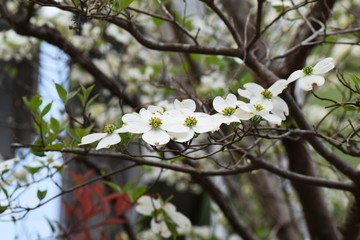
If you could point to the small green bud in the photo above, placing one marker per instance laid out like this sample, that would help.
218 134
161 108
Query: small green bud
228 111
266 94
109 128
155 122
308 70
258 107
190 121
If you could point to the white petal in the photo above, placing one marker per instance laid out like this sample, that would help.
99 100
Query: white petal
155 109
266 103
186 103
156 137
278 87
280 109
174 124
92 138
160 227
109 140
120 130
229 119
295 75
324 66
182 221
205 124
243 114
245 93
271 118
146 205
182 137
134 123
146 114
254 88
219 104
231 100
308 82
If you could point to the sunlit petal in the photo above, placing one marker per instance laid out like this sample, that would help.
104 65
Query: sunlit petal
146 205
254 88
295 75
219 104
186 103
109 140
278 87
156 137
182 137
308 82
134 123
324 66
92 138
271 118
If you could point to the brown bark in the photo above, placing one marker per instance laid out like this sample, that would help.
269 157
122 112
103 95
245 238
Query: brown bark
275 205
351 227
319 221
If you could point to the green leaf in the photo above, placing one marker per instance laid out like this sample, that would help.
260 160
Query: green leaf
55 125
122 4
32 170
41 194
46 109
71 95
5 191
113 186
350 108
137 192
126 187
38 151
61 92
55 147
52 227
3 208
35 102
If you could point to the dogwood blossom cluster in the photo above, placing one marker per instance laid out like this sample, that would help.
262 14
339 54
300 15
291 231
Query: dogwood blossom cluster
181 123
163 215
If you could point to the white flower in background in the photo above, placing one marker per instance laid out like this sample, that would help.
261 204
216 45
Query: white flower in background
146 205
213 81
280 3
268 98
227 110
152 126
4 165
161 213
257 109
109 137
184 115
310 77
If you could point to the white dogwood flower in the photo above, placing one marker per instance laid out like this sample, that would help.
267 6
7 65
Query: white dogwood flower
152 126
310 77
227 110
109 137
5 164
195 122
162 213
268 98
257 109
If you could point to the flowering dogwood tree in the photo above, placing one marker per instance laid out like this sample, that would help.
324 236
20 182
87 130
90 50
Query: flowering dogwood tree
251 105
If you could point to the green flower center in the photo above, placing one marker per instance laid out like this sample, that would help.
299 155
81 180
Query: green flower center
190 121
109 128
155 122
266 94
308 70
258 107
228 111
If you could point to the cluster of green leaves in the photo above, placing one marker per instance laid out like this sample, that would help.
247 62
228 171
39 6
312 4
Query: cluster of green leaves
48 130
